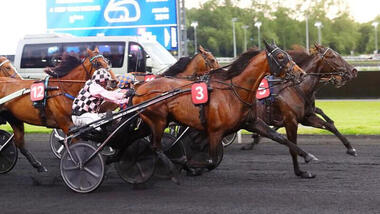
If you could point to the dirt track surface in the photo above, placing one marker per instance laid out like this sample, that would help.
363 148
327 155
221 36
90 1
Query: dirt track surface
258 181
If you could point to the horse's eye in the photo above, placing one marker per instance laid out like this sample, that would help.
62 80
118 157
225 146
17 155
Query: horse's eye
280 56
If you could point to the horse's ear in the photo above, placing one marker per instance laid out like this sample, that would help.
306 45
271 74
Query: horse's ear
89 52
96 49
317 46
201 49
267 46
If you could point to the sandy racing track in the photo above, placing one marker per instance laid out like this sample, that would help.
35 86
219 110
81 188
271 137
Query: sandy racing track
258 181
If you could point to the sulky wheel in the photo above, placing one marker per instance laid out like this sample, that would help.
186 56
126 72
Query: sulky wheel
229 139
81 176
8 153
197 148
136 164
56 142
176 153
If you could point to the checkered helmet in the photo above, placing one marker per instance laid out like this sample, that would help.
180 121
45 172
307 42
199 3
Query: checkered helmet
101 75
125 79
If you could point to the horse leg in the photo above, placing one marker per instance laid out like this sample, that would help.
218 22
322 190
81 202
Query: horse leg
325 117
157 128
214 139
316 122
291 132
256 140
264 130
18 129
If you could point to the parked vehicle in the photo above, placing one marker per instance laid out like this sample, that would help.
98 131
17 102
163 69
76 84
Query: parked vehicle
125 53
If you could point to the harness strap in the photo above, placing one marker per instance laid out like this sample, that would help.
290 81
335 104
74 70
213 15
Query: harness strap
5 61
69 96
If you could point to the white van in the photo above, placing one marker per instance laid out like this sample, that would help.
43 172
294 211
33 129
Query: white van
125 53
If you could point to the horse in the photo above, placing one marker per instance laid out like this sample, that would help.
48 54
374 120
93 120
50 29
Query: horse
190 68
7 69
231 101
186 67
296 104
68 78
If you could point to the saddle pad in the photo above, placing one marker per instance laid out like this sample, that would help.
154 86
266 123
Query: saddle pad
37 91
199 93
263 91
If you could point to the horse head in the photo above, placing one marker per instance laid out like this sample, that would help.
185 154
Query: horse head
7 69
281 64
209 61
337 70
94 61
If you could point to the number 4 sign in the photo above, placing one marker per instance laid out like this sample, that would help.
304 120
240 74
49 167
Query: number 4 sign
199 93
37 91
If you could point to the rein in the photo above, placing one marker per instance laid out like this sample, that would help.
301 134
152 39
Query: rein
159 91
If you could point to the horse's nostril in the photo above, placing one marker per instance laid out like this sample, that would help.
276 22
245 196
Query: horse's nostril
354 72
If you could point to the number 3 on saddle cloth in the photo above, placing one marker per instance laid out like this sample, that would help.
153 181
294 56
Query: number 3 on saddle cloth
199 96
199 93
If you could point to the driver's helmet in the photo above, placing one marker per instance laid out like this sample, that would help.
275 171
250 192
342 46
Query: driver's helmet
125 80
101 75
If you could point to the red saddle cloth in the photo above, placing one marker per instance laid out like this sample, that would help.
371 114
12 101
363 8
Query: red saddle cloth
263 91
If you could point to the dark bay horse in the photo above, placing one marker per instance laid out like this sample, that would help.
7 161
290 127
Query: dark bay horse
231 100
69 76
296 104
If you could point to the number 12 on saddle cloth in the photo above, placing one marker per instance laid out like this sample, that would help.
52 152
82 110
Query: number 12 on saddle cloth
199 93
37 91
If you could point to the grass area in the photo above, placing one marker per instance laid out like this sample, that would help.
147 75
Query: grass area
352 117
28 129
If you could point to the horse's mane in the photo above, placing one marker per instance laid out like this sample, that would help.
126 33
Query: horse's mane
300 56
178 67
238 65
68 63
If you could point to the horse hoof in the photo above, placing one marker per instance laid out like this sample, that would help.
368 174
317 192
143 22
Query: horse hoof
309 157
175 180
247 147
194 172
41 169
307 175
352 152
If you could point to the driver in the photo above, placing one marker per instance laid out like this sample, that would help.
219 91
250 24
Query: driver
86 105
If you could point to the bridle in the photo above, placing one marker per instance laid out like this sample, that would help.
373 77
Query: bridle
94 64
1 65
277 66
207 62
335 72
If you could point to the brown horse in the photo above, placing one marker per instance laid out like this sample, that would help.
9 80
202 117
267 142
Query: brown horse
7 69
186 67
231 100
69 77
193 67
296 104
